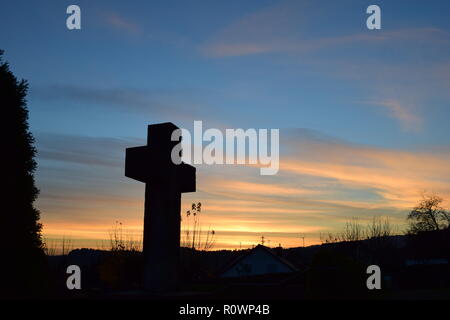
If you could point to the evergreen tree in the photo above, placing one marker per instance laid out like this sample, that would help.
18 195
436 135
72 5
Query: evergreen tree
23 258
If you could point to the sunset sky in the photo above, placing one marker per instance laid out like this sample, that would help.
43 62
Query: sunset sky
363 114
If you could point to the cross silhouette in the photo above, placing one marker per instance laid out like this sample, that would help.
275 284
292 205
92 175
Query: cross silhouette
164 182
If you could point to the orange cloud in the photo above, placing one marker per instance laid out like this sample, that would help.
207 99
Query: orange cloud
397 176
259 188
321 184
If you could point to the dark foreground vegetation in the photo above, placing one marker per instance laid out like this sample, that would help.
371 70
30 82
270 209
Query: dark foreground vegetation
412 266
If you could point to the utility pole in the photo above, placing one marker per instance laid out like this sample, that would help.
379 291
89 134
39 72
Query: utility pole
262 240
303 238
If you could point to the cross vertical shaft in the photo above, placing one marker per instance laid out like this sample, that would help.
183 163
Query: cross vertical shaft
164 182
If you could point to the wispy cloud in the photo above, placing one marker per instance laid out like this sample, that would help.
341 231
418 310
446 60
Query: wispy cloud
121 23
181 103
83 149
403 114
398 176
228 46
286 28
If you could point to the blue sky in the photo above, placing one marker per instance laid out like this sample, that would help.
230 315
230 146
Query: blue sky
339 93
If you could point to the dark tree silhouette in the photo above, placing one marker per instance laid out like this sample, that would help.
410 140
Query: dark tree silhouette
428 215
23 259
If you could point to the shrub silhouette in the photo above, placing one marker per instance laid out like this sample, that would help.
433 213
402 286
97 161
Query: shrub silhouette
23 258
334 275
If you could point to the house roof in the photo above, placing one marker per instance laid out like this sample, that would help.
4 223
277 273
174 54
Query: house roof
250 252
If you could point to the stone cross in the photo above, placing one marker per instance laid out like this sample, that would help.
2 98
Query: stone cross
164 182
